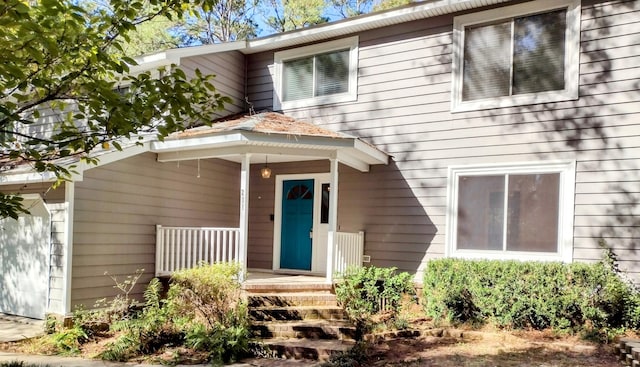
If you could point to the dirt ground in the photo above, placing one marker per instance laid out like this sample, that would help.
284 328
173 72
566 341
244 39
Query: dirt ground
494 348
487 348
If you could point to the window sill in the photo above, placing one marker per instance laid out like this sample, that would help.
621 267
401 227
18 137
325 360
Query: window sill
514 101
510 255
317 101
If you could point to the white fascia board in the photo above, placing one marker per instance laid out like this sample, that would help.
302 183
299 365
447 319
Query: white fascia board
192 143
113 156
247 148
378 156
26 177
350 160
364 22
173 56
206 49
77 167
151 66
280 138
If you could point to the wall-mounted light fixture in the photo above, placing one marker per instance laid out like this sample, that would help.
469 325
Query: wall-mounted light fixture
265 171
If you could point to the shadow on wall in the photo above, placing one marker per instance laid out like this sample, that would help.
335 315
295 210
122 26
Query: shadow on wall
599 130
398 231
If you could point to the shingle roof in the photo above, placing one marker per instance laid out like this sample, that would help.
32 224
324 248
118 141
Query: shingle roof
264 122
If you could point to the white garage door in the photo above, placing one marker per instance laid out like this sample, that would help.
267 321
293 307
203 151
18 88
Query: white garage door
24 261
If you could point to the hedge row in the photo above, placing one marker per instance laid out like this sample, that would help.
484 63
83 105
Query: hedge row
539 295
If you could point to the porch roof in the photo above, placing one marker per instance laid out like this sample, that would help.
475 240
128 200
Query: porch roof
268 136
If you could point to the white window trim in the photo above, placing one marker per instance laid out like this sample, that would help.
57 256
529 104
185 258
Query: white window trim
567 170
282 56
571 61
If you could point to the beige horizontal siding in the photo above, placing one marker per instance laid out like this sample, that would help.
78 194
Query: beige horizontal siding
228 68
57 261
118 205
403 107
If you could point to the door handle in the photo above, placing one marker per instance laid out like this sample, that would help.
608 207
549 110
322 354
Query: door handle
311 233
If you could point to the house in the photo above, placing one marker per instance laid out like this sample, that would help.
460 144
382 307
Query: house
466 128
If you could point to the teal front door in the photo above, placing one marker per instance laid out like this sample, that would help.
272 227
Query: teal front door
297 224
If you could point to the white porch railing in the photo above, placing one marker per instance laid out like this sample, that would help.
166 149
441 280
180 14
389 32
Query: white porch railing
348 251
185 247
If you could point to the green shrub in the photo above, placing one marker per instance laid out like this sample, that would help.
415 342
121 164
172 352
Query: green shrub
203 310
362 289
208 294
207 301
573 297
222 344
68 341
146 332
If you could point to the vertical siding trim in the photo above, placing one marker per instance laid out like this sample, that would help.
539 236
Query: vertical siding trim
69 193
245 173
333 218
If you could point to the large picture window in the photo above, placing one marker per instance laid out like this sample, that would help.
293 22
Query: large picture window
317 74
516 55
512 211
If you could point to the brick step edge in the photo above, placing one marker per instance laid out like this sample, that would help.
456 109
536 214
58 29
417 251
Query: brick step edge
287 288
304 349
291 299
310 330
291 313
629 352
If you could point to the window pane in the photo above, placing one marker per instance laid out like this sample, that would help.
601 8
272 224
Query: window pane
297 79
332 73
538 60
480 213
324 208
532 218
487 61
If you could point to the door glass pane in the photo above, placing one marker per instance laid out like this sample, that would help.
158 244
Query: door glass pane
299 192
532 218
324 205
297 79
480 212
487 61
539 47
332 73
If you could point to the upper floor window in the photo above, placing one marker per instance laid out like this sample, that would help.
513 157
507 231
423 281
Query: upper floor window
521 54
518 211
316 74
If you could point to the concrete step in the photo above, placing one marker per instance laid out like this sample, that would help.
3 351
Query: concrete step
306 349
309 329
291 313
287 287
291 299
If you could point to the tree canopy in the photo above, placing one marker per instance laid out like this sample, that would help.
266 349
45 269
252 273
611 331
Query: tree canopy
64 61
225 21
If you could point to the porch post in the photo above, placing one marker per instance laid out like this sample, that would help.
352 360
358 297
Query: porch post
333 216
244 214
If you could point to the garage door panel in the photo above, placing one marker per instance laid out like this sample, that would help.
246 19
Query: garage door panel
24 261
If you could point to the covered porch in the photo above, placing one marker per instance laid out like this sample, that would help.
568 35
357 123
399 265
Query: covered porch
301 201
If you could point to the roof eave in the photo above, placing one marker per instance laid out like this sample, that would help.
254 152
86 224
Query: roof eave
348 150
363 23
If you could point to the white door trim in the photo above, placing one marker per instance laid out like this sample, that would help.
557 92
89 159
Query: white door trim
318 178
